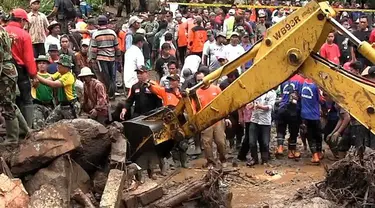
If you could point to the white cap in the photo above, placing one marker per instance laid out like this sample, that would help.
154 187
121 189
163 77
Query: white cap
86 71
134 19
235 33
261 13
232 12
85 42
32 1
141 31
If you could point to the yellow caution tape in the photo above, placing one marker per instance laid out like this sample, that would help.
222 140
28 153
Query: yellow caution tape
261 6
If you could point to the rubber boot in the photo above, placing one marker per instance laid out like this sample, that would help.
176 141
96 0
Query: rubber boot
321 155
23 127
28 114
315 158
183 160
294 154
12 130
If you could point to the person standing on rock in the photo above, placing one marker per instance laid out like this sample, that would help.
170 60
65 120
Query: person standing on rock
64 81
95 99
14 121
42 94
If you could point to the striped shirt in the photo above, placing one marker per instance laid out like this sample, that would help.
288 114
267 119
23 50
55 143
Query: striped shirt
104 45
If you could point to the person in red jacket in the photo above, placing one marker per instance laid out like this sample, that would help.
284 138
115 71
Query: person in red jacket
23 55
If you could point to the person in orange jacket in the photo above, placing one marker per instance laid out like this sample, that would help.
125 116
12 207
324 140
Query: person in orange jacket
197 37
181 37
171 97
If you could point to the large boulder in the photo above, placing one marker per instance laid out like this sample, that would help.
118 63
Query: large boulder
95 144
12 193
63 174
43 146
46 197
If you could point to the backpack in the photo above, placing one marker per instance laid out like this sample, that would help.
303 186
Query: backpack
69 9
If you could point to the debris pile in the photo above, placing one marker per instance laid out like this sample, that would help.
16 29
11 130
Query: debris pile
349 182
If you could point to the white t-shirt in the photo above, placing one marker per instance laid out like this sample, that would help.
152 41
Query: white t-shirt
232 52
192 62
213 51
52 40
133 59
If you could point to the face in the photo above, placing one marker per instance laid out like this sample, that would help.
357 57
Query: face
42 66
142 76
174 83
62 69
84 49
234 40
166 51
262 19
86 79
205 12
363 23
199 77
346 25
330 37
64 43
245 39
56 29
54 54
168 17
172 69
179 19
35 6
212 18
247 15
137 25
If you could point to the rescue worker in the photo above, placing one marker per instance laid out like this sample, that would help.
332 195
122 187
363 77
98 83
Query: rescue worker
288 116
229 24
142 98
181 36
64 81
65 49
23 55
15 123
196 38
95 99
82 56
133 25
261 25
171 96
42 94
214 133
172 69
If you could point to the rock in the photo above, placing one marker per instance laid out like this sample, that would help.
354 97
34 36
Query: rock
315 202
150 196
118 148
46 197
59 174
99 181
44 146
112 194
12 193
96 144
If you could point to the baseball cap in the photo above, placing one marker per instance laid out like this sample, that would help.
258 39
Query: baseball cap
222 34
141 31
134 19
102 20
33 1
235 34
245 34
178 16
261 13
85 42
53 24
141 69
232 12
42 58
20 13
173 77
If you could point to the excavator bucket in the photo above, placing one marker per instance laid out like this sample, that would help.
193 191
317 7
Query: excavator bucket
141 132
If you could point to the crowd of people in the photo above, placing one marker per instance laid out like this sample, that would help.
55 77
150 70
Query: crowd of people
67 67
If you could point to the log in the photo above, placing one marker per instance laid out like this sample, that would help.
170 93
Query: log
183 194
82 199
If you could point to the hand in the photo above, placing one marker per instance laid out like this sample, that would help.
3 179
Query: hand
122 114
249 106
335 136
93 113
35 82
228 123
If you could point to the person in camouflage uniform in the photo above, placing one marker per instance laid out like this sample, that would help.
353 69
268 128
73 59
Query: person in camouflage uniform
64 81
14 120
42 95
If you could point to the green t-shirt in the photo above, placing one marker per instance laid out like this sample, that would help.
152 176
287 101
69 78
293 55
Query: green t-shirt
43 92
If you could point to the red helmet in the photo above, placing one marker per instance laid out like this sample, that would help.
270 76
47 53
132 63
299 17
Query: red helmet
19 13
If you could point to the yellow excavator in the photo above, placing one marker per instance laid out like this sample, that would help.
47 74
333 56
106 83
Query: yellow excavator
289 47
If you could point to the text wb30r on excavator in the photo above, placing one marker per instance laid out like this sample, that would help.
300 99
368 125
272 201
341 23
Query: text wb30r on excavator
289 47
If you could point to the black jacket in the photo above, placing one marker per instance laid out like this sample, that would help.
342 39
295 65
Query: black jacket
144 99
